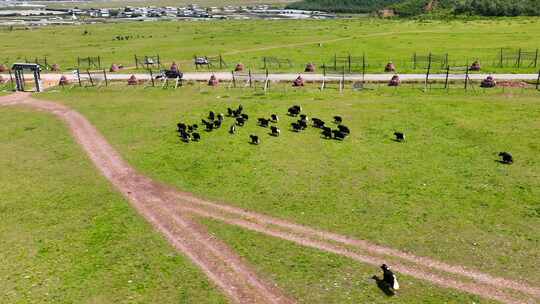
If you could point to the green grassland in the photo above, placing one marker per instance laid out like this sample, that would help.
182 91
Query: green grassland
68 237
300 41
312 276
440 194
72 239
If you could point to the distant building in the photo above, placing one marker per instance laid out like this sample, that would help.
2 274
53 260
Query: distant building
386 13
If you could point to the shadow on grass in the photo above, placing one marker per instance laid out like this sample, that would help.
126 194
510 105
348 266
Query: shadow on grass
383 286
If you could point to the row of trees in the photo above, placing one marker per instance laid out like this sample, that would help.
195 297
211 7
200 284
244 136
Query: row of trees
343 6
418 7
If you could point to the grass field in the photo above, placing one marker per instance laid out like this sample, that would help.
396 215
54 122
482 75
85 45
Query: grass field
444 183
312 276
440 194
68 237
300 41
105 253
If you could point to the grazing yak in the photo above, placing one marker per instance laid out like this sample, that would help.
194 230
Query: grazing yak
232 129
303 124
184 136
294 110
263 122
296 127
245 116
255 139
399 136
327 132
181 127
196 136
506 158
240 121
317 123
275 131
389 278
339 135
209 125
211 115
344 129
193 128
217 124
229 112
338 119
220 117
274 118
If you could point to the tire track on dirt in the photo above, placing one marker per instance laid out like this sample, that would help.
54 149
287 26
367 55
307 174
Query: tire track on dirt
170 212
226 210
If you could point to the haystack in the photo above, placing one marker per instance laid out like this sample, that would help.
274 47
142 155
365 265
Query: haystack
133 80
394 82
55 67
475 66
390 67
310 68
239 67
213 81
114 68
63 81
3 68
174 67
489 82
298 82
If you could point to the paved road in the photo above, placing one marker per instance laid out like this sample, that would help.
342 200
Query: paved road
227 76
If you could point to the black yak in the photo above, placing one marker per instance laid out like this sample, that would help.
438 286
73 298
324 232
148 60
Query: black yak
294 110
255 139
344 129
263 122
506 158
399 136
181 127
274 118
296 127
389 277
317 123
327 132
339 135
196 136
275 131
338 119
240 121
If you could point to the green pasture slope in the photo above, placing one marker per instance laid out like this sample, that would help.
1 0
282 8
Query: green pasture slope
68 237
440 194
301 41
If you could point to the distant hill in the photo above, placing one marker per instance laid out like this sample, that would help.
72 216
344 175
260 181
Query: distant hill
419 7
343 6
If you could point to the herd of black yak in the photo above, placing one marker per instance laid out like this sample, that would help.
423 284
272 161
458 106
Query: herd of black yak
340 132
215 121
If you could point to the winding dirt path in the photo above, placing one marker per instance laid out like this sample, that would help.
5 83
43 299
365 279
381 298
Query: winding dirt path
170 211
226 269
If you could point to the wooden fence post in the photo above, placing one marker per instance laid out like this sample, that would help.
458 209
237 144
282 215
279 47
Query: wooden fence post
79 77
105 77
446 80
